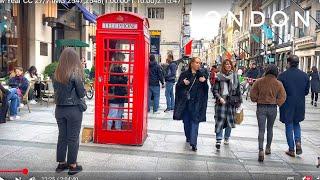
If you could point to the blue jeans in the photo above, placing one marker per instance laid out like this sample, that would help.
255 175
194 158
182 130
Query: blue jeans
115 113
293 129
14 101
155 91
227 133
191 128
169 95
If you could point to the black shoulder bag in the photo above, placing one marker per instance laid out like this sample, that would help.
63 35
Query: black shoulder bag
81 101
188 92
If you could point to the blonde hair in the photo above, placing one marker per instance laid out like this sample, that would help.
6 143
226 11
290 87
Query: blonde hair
69 64
193 60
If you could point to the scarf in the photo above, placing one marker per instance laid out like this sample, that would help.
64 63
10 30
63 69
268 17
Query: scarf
231 77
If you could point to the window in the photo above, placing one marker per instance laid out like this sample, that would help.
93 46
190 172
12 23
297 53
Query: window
43 49
318 18
119 8
288 3
156 13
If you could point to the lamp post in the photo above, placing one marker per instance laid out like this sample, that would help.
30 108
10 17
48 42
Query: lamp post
50 15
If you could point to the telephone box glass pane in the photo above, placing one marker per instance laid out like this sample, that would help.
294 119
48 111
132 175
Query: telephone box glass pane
121 44
118 87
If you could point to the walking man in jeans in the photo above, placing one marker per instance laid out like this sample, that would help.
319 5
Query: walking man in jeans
155 76
170 78
292 112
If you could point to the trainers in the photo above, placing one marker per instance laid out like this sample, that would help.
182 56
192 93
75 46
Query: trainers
17 117
315 104
12 118
218 144
156 112
226 142
61 167
75 170
21 105
194 148
33 102
167 110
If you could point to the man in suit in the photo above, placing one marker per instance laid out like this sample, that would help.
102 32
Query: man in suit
292 112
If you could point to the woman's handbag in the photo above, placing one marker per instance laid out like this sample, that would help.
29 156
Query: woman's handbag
82 105
239 115
188 92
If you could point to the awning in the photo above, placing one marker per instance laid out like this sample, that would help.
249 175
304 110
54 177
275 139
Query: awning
86 14
71 43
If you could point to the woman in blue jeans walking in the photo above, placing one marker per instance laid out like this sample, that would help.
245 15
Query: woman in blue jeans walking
191 100
227 85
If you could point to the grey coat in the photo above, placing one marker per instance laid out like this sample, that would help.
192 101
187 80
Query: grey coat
315 82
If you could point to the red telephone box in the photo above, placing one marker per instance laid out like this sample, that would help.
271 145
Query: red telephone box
122 67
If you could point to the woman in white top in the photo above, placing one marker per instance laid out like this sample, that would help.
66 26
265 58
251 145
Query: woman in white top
32 77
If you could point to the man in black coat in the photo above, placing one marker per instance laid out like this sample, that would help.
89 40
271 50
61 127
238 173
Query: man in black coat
253 72
292 112
155 76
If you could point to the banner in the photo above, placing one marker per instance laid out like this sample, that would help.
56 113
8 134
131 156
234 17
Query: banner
188 49
155 42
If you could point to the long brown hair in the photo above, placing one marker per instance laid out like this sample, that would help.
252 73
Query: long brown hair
192 60
69 64
224 62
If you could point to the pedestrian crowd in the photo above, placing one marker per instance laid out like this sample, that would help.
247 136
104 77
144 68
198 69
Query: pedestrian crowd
269 89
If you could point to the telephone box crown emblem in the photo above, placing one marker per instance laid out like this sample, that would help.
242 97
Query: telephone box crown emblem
120 18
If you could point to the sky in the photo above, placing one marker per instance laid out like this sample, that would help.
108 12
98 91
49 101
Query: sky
205 17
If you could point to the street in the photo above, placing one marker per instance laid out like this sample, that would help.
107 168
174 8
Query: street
31 142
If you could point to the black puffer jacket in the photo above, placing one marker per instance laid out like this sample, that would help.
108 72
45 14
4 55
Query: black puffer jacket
69 94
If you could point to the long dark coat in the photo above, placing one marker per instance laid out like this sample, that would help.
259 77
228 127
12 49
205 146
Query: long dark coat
197 106
296 84
315 82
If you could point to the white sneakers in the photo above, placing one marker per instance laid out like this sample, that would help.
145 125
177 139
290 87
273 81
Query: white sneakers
21 105
12 118
33 102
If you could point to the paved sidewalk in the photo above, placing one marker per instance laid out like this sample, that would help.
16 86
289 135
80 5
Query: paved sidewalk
31 142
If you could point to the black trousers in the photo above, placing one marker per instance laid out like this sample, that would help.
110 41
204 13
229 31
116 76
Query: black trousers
37 88
314 96
69 119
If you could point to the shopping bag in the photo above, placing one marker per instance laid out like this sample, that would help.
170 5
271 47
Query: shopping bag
87 135
239 115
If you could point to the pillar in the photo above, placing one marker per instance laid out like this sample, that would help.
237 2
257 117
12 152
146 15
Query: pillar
313 61
318 62
305 63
